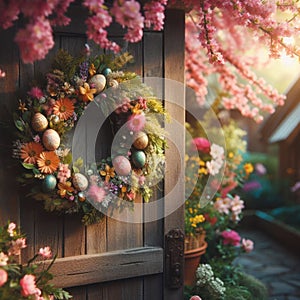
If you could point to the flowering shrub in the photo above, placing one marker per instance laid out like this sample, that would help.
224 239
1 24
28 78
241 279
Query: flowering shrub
220 37
201 161
30 281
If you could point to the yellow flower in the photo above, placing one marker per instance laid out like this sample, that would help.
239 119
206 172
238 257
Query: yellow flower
190 210
87 94
64 188
230 154
136 110
92 70
248 168
194 225
108 172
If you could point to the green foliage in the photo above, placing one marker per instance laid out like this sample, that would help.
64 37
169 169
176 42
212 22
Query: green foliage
66 63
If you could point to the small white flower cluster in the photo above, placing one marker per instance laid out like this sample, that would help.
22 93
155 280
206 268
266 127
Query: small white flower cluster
205 278
217 154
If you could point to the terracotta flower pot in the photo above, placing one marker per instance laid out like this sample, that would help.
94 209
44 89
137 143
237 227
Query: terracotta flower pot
191 262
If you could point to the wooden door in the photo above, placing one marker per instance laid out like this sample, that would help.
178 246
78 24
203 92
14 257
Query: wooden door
109 260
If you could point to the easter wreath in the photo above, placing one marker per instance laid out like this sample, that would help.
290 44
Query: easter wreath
48 115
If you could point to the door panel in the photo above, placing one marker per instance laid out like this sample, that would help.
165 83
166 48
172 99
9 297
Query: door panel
112 259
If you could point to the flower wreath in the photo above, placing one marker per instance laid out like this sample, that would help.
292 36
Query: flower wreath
47 116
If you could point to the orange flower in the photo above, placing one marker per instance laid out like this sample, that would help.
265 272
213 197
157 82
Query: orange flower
108 173
64 188
92 70
48 162
63 108
86 92
30 152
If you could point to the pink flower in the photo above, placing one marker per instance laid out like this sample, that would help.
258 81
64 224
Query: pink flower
64 172
36 92
136 122
142 179
130 195
28 285
35 40
2 74
201 144
96 193
296 187
195 298
3 277
260 169
247 245
11 228
231 237
16 246
45 252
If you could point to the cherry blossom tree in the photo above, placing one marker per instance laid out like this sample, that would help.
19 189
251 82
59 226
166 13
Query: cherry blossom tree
219 36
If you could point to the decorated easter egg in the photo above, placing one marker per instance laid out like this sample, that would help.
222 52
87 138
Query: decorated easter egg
98 82
138 158
39 122
51 139
49 183
122 165
106 71
80 182
141 140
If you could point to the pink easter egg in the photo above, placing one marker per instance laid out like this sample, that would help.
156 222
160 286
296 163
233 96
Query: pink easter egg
122 165
51 139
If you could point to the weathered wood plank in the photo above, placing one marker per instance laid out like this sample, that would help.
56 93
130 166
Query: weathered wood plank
88 269
153 287
9 63
174 69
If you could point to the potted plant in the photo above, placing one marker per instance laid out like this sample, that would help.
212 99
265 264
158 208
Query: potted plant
201 161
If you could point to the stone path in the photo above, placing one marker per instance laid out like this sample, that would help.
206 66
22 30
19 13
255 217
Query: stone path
273 264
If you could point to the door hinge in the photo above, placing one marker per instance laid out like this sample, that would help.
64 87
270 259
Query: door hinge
174 255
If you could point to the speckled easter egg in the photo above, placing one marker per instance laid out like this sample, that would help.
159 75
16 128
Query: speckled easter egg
49 183
122 165
80 182
138 158
98 82
106 71
141 140
39 122
51 139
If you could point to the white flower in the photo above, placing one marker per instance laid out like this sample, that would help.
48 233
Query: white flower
3 259
217 152
214 166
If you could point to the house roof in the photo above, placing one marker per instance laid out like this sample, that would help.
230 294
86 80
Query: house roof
285 122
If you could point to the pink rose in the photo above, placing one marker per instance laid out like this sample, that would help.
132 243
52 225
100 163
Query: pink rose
28 285
231 237
3 277
201 144
195 298
45 252
247 245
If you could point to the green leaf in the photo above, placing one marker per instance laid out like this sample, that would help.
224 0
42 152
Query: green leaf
28 166
19 124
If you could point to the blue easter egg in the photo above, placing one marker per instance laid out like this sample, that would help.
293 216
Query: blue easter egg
49 183
106 71
138 158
